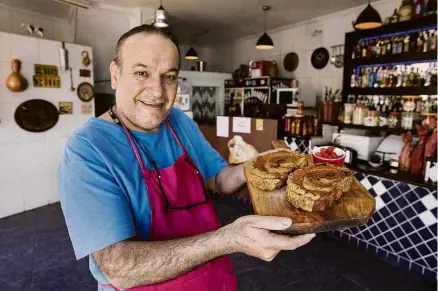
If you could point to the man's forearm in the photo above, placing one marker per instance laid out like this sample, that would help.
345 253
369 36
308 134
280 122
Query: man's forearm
129 264
230 179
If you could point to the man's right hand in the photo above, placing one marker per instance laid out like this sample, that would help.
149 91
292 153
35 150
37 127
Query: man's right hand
252 235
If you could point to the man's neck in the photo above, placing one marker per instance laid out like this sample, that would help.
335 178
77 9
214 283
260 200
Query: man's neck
129 125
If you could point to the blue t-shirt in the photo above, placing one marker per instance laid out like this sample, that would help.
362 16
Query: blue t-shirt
102 193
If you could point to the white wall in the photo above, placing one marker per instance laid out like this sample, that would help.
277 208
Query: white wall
54 28
28 161
298 38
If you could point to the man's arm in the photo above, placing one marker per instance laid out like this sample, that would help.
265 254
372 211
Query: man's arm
128 264
229 180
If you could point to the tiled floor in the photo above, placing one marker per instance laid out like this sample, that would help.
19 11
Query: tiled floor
36 254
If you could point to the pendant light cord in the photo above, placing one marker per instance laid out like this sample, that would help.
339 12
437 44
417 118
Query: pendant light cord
266 17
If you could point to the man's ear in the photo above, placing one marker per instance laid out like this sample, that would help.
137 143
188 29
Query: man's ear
114 70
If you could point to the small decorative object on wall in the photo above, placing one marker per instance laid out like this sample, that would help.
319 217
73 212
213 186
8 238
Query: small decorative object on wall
46 76
320 58
290 62
65 107
85 73
63 57
71 81
36 115
15 81
31 30
86 108
85 91
85 58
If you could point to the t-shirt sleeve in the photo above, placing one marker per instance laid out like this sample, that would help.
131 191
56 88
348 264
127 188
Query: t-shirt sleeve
96 211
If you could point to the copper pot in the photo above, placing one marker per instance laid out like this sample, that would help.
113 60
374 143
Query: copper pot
15 81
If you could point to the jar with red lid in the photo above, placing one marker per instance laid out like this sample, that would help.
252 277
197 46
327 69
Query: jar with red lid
426 118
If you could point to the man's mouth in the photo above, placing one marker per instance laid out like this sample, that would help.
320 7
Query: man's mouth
153 104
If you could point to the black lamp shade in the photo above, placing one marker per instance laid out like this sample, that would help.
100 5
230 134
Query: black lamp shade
369 18
265 42
191 54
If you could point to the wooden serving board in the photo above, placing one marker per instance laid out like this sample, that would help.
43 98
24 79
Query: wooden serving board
353 209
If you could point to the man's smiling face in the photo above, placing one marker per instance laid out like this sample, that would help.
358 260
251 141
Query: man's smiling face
146 80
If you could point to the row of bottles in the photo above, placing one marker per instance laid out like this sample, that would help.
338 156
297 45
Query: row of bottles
418 75
409 10
390 111
420 41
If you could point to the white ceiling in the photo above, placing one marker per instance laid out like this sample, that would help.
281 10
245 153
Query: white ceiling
224 19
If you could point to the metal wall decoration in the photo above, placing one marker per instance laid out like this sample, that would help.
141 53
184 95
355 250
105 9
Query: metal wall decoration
15 81
65 107
85 91
71 81
320 58
84 73
290 62
46 76
85 58
36 115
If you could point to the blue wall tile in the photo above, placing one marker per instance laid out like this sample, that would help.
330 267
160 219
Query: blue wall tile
429 274
431 260
403 187
434 211
384 211
413 254
396 246
398 232
390 221
386 198
394 192
433 228
392 259
409 212
405 243
417 223
421 192
423 249
389 236
400 218
407 227
388 184
380 240
432 245
373 180
419 207
402 202
411 197
404 263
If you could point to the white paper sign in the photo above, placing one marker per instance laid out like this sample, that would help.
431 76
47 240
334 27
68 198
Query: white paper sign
242 124
222 126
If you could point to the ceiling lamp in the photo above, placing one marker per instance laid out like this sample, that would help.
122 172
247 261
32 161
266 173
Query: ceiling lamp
191 54
161 16
369 18
265 42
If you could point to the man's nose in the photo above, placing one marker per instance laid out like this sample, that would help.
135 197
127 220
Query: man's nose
155 86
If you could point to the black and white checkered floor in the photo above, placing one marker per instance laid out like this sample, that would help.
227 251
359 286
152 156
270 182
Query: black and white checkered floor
36 255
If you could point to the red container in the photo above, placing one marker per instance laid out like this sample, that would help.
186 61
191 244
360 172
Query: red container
337 162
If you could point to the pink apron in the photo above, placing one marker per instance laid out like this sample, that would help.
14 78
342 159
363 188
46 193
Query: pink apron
180 208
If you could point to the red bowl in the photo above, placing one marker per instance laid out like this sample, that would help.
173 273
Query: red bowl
338 161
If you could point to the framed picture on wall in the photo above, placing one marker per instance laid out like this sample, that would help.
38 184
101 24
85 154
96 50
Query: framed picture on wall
65 107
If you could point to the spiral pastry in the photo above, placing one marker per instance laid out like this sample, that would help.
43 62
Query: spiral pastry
270 171
318 187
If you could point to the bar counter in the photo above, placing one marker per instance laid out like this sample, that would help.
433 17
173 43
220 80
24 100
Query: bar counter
403 229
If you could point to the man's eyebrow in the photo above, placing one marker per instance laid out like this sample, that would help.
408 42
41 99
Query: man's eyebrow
139 65
172 70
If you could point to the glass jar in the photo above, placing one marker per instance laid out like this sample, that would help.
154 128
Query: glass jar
372 118
407 120
287 123
383 119
394 119
300 109
359 115
410 103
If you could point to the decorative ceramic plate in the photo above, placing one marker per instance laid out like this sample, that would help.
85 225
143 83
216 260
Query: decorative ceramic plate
36 115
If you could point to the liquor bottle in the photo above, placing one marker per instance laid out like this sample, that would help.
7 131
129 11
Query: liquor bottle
383 48
359 50
388 46
353 82
420 42
411 78
387 73
431 7
378 48
413 45
365 78
394 17
422 78
426 42
400 45
406 10
405 77
364 49
406 42
391 78
370 49
433 79
372 79
394 45
383 78
432 39
427 76
415 80
396 77
419 8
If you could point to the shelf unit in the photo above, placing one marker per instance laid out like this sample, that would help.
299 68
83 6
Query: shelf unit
387 30
373 128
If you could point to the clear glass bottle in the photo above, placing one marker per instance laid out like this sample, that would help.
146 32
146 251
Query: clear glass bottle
353 82
406 42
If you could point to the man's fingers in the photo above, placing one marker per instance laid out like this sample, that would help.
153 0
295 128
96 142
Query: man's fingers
283 242
271 222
